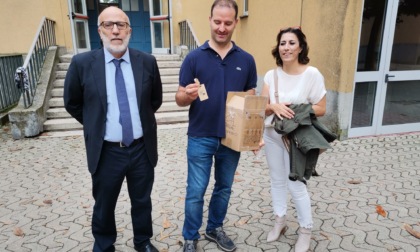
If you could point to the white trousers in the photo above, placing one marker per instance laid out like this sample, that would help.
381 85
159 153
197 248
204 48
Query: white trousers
279 164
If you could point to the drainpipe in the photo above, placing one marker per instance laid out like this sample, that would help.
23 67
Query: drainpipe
73 35
171 38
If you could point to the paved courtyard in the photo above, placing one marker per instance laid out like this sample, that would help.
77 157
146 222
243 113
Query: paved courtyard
367 197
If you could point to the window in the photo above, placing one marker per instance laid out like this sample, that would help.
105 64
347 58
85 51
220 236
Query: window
109 1
245 8
130 5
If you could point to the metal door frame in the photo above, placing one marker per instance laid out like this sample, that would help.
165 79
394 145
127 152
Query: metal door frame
160 19
79 17
379 77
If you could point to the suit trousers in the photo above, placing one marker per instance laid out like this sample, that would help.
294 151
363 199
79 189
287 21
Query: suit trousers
116 164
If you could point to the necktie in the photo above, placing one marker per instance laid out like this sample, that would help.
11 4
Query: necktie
125 116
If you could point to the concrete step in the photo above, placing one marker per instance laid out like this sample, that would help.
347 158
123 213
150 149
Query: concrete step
65 133
55 113
167 87
171 107
58 120
170 67
172 117
169 71
168 97
170 59
57 101
68 133
66 58
57 92
60 112
73 124
169 64
167 57
170 88
173 78
159 57
163 65
60 74
169 79
59 83
63 66
62 124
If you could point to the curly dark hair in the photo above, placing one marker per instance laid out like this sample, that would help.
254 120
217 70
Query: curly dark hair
303 55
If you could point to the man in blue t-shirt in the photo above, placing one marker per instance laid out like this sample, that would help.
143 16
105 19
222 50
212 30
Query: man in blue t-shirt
220 66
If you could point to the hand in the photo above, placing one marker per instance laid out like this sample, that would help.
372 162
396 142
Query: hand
191 90
260 145
282 110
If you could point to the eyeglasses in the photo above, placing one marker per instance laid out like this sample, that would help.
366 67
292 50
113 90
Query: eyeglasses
109 25
291 28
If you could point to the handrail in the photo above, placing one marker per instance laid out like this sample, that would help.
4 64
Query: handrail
188 37
9 95
27 76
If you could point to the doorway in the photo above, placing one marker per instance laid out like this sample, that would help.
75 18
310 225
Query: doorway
138 13
159 21
79 26
386 97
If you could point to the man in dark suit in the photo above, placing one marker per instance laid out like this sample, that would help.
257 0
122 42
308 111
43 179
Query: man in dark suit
114 92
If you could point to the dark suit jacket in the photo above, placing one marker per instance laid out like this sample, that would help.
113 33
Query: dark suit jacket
85 99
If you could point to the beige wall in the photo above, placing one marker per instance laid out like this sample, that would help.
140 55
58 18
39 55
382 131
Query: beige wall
257 32
333 39
197 12
251 34
332 28
23 18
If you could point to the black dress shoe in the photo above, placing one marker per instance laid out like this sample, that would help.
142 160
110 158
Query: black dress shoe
148 247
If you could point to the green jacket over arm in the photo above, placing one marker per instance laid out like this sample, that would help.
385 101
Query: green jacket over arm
305 137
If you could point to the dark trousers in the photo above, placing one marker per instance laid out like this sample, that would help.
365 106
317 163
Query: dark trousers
115 165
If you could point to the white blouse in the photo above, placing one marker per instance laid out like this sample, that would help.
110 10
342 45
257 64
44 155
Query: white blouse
307 87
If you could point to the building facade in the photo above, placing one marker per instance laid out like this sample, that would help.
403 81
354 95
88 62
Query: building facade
367 50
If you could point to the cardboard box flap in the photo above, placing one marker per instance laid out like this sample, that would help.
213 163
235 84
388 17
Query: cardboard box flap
246 101
245 115
253 102
236 102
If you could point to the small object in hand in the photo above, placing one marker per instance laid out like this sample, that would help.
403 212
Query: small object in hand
202 92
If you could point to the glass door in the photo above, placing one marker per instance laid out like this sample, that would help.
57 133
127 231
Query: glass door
80 26
157 20
387 82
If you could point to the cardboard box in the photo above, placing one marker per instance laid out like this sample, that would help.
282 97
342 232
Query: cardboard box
244 121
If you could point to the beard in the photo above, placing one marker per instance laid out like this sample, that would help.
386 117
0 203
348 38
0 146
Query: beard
115 49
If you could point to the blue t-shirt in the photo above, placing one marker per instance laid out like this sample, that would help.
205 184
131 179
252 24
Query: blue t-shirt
236 72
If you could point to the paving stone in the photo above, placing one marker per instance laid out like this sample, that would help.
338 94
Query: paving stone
46 191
